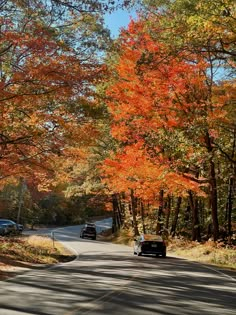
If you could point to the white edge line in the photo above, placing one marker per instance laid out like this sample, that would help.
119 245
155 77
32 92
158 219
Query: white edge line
205 266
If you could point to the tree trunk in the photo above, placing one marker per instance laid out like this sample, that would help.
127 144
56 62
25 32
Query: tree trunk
196 235
134 212
168 207
231 192
213 190
21 198
176 216
119 210
160 211
115 207
122 208
214 208
142 216
230 208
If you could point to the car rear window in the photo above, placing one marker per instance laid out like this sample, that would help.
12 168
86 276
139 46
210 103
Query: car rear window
151 237
90 229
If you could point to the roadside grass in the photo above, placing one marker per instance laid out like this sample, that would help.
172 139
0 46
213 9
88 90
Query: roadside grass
120 237
213 253
32 249
124 237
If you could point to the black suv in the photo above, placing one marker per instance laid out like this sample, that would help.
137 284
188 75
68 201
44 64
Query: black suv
89 231
149 244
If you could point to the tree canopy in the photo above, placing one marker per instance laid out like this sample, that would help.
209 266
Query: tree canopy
146 121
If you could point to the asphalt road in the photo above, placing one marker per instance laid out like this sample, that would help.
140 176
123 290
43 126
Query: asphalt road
108 279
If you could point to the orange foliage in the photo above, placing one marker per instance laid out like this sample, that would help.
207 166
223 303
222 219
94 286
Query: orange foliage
155 92
42 82
133 169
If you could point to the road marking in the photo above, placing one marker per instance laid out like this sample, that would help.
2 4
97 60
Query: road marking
220 272
205 266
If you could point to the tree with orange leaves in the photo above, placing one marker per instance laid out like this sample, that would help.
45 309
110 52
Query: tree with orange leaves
163 101
50 61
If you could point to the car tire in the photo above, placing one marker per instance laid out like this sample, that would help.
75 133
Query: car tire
81 236
163 254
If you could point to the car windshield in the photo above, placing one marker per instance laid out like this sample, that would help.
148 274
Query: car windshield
5 221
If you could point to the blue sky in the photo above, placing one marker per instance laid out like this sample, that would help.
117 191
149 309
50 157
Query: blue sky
117 20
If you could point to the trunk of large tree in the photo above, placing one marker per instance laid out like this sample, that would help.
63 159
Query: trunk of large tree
176 216
213 190
214 208
115 209
122 208
142 216
168 207
229 208
193 202
160 211
134 212
119 211
231 192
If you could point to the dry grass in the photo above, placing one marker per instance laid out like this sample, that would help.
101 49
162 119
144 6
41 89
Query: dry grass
26 251
210 252
47 250
121 237
124 237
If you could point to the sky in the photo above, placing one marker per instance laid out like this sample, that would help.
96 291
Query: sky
117 20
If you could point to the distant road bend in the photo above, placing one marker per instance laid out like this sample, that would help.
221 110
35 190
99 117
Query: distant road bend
107 279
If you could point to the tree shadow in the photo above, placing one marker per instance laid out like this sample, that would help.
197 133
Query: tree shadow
119 283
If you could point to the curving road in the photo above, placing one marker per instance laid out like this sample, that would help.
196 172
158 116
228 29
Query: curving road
107 279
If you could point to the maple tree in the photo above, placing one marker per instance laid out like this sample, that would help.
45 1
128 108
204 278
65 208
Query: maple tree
202 26
50 61
170 105
207 28
168 100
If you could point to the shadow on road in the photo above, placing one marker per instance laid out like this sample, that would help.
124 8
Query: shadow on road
117 283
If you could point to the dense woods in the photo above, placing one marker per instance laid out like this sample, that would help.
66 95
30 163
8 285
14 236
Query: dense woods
143 125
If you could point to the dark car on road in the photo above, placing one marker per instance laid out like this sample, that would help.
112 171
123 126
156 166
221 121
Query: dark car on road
89 231
20 228
3 229
8 227
148 244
